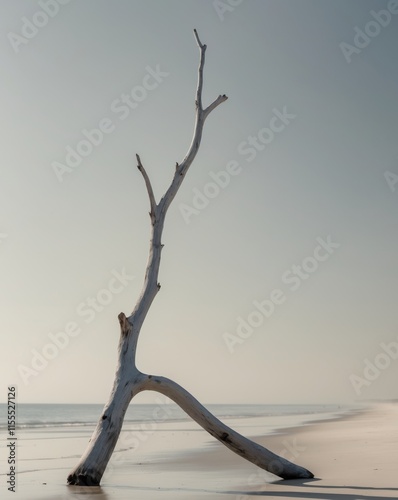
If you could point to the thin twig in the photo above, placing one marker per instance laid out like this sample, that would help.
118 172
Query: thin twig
197 38
202 48
214 104
148 184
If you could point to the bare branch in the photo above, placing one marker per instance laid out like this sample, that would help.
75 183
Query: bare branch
148 187
214 104
201 115
202 48
197 38
246 448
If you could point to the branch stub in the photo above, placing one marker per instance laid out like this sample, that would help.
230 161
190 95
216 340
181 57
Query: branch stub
125 326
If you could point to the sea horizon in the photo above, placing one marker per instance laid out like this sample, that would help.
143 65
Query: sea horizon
46 415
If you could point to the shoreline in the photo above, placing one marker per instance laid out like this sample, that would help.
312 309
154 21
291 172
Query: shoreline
353 457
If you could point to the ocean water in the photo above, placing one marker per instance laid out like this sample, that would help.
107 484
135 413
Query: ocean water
40 416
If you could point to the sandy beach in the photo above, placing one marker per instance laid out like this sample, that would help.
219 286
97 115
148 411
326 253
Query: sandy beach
353 457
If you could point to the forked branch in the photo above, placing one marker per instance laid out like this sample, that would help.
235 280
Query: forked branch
129 381
158 211
201 115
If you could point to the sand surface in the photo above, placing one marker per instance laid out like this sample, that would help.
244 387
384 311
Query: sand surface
353 458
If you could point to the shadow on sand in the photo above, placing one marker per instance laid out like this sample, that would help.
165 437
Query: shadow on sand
361 492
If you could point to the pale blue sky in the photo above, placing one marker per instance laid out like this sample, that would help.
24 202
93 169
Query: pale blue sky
321 175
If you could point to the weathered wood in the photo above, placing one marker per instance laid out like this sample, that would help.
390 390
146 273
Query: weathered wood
129 381
239 444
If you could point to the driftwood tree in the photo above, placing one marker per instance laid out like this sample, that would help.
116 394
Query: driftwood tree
129 381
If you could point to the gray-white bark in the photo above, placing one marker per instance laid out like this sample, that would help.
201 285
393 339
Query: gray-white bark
129 381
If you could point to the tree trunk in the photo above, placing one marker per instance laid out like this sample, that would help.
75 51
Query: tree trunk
129 381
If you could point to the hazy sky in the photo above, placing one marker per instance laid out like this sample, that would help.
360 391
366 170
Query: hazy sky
279 273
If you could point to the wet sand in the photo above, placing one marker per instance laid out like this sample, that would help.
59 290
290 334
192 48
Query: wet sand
354 457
